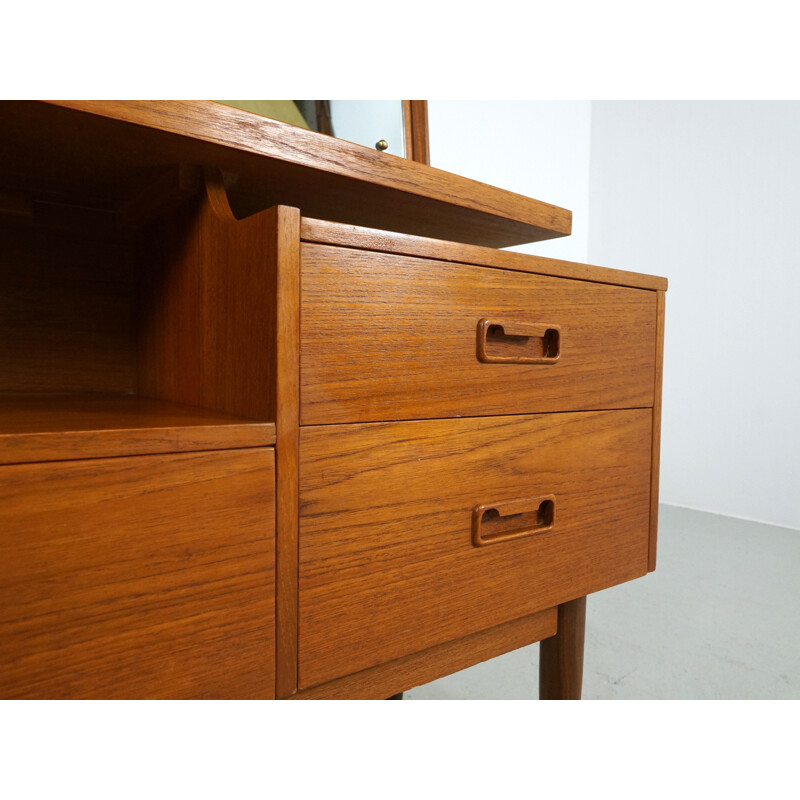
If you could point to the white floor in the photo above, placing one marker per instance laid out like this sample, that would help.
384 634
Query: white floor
718 619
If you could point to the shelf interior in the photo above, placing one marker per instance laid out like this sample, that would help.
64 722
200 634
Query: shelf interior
149 332
55 427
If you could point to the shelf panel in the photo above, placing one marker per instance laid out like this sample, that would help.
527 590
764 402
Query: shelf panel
105 151
57 427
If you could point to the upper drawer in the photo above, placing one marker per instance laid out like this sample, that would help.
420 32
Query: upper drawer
386 337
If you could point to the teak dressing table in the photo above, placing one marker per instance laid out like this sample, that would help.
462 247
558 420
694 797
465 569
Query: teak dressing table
278 420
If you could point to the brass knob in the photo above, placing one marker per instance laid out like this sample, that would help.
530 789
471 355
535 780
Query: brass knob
382 145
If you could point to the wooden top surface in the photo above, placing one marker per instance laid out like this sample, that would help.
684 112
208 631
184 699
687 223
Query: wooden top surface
103 150
322 232
55 427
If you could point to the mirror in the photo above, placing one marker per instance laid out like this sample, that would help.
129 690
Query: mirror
373 123
397 127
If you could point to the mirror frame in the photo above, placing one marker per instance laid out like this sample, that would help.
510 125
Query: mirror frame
415 125
415 122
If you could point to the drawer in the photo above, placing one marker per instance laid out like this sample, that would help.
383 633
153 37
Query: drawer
138 577
387 337
393 559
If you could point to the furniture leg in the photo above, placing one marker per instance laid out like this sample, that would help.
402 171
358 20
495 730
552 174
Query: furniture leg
561 656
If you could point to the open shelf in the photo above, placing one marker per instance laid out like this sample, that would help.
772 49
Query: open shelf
143 332
54 427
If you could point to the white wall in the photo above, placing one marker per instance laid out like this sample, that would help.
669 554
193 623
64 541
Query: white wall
535 148
708 194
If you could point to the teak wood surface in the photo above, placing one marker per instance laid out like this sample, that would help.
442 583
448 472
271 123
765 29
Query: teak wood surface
105 150
157 306
561 656
393 337
143 577
656 451
428 665
286 263
67 316
360 238
415 123
55 427
387 563
179 309
206 311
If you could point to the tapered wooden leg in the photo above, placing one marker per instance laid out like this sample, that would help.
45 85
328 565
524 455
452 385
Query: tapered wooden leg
561 656
396 697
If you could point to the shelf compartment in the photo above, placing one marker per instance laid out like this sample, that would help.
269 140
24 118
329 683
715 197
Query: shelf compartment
53 427
151 333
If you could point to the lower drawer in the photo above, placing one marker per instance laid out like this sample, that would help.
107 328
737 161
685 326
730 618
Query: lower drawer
147 576
417 533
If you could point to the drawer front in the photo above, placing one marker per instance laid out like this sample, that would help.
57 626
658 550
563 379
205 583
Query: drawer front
387 337
138 577
400 548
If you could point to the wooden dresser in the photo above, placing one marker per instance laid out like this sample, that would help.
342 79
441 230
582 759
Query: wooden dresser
277 420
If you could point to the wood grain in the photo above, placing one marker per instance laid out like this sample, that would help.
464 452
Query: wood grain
656 450
415 123
145 577
67 309
156 575
53 427
170 190
561 656
286 259
355 237
392 337
436 662
107 150
207 310
186 316
387 565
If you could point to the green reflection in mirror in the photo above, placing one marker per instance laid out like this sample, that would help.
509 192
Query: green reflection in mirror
282 110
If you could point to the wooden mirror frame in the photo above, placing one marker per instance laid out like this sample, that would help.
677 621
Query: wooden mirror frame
415 129
415 123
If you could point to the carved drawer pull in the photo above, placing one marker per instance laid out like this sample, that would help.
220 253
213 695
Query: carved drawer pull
518 342
500 522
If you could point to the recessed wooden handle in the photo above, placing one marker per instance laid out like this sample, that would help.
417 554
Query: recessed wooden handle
507 342
500 522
